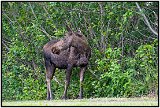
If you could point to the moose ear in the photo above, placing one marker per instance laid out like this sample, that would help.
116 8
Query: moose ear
70 33
68 28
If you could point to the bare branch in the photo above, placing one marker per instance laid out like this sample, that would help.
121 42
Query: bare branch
95 76
45 32
32 11
5 45
54 78
146 20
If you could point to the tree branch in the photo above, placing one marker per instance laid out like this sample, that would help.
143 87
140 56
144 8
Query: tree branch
5 45
146 20
45 32
55 79
103 45
32 11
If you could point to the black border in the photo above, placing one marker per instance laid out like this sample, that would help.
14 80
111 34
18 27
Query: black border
80 1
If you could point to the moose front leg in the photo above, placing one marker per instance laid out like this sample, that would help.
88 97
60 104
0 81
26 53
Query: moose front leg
50 70
67 80
82 70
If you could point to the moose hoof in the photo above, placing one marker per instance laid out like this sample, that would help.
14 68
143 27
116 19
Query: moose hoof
79 97
64 98
49 98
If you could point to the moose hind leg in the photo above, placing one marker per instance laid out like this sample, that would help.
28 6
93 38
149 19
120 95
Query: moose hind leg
82 70
50 70
67 81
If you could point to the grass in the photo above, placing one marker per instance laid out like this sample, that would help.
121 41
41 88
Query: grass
143 101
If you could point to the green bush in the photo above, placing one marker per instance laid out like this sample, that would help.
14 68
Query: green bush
131 77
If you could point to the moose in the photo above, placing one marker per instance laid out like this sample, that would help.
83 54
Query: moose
71 51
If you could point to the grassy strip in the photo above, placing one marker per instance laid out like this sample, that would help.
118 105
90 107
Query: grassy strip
88 102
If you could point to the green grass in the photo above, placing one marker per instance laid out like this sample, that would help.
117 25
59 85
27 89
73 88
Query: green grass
143 101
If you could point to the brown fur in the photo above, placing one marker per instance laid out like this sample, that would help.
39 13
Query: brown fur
73 39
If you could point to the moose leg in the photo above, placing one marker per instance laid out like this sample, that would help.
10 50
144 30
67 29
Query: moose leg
67 81
50 70
82 70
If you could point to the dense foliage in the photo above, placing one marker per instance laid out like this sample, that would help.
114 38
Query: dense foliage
124 60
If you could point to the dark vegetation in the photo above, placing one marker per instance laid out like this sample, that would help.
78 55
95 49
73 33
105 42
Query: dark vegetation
123 37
